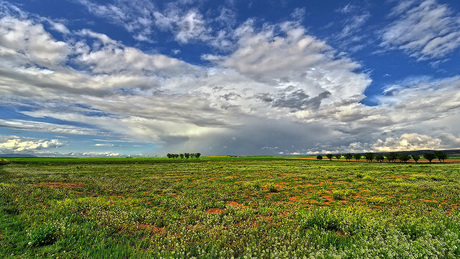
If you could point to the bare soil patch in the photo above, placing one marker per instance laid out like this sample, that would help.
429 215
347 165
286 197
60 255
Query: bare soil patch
60 185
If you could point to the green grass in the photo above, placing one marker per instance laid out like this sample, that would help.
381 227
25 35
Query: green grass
264 207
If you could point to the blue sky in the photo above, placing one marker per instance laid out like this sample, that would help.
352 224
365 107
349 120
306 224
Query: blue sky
280 77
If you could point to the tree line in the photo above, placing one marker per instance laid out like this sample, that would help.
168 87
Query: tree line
391 157
184 155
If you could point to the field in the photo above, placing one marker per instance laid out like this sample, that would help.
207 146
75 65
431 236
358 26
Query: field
260 207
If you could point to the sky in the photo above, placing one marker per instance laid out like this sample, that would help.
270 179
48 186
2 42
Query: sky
254 77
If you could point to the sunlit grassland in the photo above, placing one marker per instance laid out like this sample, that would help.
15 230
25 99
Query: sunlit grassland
260 207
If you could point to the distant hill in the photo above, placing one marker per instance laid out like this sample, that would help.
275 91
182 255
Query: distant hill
452 152
16 155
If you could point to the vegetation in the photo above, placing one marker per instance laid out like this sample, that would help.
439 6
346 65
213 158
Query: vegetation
415 157
253 207
348 156
330 156
380 158
357 157
392 157
440 155
185 155
338 156
429 156
369 157
319 157
404 158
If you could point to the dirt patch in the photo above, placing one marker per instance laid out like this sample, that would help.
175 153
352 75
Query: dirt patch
235 204
60 185
214 211
152 228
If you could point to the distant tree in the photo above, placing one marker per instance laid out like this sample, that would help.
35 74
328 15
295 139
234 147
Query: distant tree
197 155
440 155
181 156
369 157
379 158
429 156
338 156
192 155
176 155
392 156
415 157
348 156
330 156
187 155
357 157
404 158
319 157
169 155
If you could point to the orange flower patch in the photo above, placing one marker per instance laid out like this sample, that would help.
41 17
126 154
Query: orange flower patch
60 185
293 199
214 211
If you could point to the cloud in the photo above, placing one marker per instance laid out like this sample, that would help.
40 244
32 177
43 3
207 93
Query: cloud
48 127
29 43
17 144
423 29
407 142
277 84
135 15
186 26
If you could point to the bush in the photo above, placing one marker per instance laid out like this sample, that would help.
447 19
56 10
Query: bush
4 162
272 188
45 235
319 157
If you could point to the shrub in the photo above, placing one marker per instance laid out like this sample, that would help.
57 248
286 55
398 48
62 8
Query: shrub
4 162
319 157
45 235
272 188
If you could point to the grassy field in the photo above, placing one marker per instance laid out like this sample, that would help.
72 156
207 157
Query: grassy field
259 207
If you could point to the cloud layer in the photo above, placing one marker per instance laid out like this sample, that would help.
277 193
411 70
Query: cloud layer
276 89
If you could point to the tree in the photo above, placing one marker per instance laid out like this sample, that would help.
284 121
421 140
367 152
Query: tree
429 156
169 155
415 157
330 156
348 156
187 155
197 155
181 156
392 156
379 158
357 157
404 158
319 157
440 155
338 156
369 157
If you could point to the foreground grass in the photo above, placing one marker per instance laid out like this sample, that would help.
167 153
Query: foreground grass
222 207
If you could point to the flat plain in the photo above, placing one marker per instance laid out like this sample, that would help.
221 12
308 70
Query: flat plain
223 207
